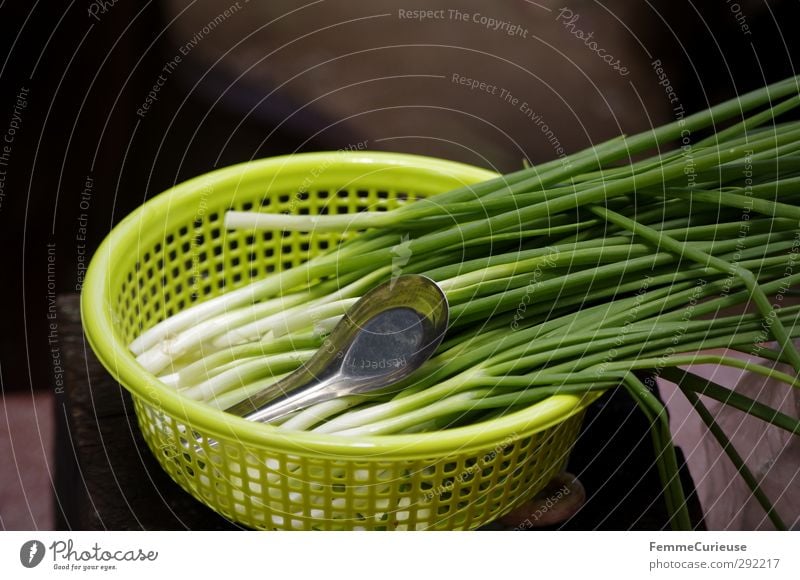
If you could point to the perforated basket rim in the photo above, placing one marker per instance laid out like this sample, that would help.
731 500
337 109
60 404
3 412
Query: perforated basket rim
113 353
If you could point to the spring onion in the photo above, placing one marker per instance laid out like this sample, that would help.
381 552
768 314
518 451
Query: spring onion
567 276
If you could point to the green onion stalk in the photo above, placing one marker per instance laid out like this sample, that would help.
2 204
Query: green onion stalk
638 255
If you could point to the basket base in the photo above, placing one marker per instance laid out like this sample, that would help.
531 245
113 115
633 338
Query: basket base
555 504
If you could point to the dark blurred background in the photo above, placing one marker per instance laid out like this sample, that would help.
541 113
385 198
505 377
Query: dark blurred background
109 103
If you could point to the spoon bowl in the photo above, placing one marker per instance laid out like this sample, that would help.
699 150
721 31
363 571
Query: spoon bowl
387 334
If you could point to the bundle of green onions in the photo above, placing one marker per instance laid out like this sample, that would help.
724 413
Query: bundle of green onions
576 275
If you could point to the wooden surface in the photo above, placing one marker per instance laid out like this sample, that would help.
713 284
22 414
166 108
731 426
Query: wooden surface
107 479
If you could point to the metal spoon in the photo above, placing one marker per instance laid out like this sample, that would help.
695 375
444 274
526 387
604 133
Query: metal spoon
383 338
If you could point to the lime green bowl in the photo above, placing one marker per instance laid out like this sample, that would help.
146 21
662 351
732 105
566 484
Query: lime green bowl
174 251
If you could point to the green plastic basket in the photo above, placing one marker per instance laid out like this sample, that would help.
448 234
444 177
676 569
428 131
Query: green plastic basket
173 251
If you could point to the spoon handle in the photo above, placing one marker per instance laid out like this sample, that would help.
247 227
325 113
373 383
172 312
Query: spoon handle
294 402
282 403
298 386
